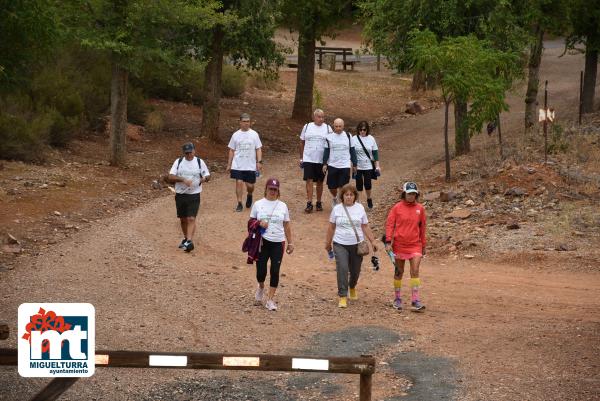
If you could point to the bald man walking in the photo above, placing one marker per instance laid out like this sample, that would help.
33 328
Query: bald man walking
339 158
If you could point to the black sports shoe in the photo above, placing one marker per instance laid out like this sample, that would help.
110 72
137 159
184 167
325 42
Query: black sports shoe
182 245
239 207
319 207
189 246
309 207
370 203
248 201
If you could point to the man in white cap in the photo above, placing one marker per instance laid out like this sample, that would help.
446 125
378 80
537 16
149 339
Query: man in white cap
245 160
188 173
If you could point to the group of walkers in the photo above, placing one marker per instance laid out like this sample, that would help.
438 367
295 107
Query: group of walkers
327 155
340 156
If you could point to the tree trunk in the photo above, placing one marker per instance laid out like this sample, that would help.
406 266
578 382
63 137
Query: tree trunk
118 115
422 81
446 145
589 80
305 79
462 139
418 81
212 87
533 82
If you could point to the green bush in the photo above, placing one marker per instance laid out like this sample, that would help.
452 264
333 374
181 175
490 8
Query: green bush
264 81
137 107
233 81
184 84
154 122
21 139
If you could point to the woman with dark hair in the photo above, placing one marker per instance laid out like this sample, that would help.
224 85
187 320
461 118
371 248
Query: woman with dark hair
367 154
274 219
348 225
405 240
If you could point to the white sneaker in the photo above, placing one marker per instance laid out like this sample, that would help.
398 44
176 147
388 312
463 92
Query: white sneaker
271 305
258 297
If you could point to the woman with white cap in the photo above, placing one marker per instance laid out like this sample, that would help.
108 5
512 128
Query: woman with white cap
405 240
274 218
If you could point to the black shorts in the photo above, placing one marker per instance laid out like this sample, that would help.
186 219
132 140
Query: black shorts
313 171
187 205
364 176
244 175
337 177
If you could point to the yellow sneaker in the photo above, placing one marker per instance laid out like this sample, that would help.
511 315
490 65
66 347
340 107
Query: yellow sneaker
343 302
353 295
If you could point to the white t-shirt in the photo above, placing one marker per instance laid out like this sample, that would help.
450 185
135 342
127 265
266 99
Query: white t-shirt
189 169
314 136
275 212
244 144
344 234
364 162
339 150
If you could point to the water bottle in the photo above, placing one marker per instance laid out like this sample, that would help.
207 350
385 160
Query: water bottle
392 256
257 173
330 255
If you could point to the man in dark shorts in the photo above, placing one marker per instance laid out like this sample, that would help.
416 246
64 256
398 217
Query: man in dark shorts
313 143
339 158
188 173
245 160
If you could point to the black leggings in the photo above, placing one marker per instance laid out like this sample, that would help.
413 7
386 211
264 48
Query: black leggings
366 176
273 251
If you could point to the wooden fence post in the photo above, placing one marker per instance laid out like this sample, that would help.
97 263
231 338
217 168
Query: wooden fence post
366 385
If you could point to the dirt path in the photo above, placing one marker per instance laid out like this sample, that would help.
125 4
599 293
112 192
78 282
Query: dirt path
492 331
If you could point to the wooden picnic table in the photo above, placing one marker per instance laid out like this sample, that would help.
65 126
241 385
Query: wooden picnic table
343 51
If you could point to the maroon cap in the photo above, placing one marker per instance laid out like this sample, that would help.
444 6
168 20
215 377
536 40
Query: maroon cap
272 183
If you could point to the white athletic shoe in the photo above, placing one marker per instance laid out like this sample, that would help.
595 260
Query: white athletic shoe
271 305
258 297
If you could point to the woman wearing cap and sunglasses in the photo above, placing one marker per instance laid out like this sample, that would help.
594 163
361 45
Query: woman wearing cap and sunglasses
367 154
405 240
274 218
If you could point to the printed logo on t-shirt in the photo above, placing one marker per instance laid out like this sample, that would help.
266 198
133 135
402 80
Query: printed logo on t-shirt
418 211
245 149
344 222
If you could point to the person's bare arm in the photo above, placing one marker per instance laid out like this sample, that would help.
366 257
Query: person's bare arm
329 238
258 159
288 236
230 159
369 234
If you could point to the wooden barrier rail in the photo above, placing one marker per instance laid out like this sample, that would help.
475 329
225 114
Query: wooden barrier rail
363 365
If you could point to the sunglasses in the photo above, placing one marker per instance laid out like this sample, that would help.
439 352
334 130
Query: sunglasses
362 129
